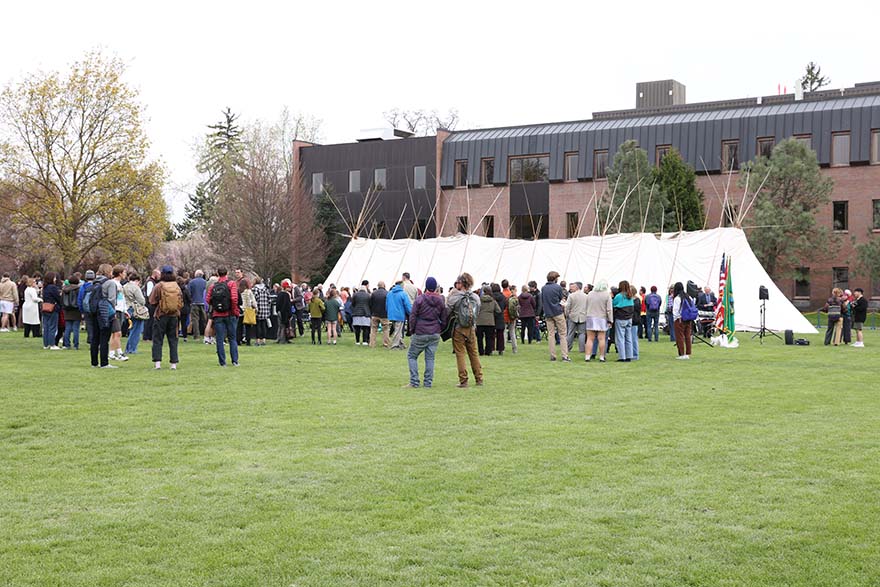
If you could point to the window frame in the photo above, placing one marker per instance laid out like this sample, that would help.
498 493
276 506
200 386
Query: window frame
460 178
834 136
596 154
725 160
761 141
462 226
845 215
489 226
875 147
800 296
350 176
424 185
483 179
804 138
320 177
838 283
512 158
661 151
875 215
572 221
570 175
377 185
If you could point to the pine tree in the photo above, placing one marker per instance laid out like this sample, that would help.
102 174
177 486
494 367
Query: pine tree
676 181
629 194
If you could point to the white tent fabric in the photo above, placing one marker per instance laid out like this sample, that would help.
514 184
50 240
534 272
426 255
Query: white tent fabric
643 259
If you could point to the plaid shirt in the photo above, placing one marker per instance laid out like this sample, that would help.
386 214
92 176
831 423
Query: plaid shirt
263 305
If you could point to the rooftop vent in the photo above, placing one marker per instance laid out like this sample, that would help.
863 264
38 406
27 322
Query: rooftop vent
660 93
383 134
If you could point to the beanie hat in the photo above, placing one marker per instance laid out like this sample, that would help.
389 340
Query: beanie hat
90 274
431 284
167 269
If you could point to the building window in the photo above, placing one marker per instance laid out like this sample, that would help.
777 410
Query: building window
462 224
840 277
840 215
379 177
487 172
461 172
527 227
354 180
420 179
876 207
600 164
317 183
379 229
489 226
765 146
571 225
840 149
875 147
529 169
875 288
729 156
660 153
802 283
805 140
571 166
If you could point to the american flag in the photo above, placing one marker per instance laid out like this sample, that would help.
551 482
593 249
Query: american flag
719 305
724 321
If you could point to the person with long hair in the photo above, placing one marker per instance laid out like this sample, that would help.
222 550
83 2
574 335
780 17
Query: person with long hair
114 296
635 328
316 314
51 306
465 305
332 309
137 309
683 328
622 306
30 309
527 311
248 310
284 307
72 315
167 297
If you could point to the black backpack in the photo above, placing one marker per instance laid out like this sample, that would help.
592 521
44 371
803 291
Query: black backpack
221 297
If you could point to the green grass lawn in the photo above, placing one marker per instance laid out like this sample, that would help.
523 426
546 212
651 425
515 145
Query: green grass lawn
312 466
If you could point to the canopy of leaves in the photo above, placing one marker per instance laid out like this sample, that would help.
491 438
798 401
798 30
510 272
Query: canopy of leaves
785 234
631 203
868 258
74 162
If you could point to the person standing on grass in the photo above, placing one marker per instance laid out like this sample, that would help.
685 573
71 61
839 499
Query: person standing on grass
102 314
222 298
148 289
167 297
652 314
499 317
8 301
670 323
551 298
183 319
332 309
248 310
426 321
398 306
511 314
599 317
316 314
360 314
197 315
465 305
30 309
846 314
834 309
623 313
137 309
113 294
527 310
576 312
683 328
72 315
860 315
284 307
379 315
51 306
634 330
264 309
486 321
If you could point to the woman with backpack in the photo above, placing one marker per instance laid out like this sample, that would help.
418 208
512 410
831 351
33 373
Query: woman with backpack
683 310
168 300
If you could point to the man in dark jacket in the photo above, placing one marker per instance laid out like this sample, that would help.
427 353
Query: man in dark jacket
551 300
859 315
379 315
426 321
360 313
298 306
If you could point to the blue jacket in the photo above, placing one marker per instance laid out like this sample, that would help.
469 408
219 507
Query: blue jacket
397 303
197 288
551 298
81 295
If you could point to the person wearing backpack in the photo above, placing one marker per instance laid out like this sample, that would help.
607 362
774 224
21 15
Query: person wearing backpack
684 312
167 297
72 315
83 308
100 315
653 302
465 305
222 298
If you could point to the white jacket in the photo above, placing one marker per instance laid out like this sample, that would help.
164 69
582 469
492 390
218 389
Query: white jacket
30 309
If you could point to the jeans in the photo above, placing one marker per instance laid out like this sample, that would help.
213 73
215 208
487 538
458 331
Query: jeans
50 328
653 328
71 326
634 343
671 326
134 336
100 345
419 343
165 326
397 338
226 327
622 334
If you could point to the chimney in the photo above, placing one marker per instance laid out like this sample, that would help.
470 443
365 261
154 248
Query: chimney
659 93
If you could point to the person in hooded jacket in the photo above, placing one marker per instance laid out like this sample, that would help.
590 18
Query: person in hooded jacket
501 300
398 306
426 321
527 307
486 321
72 315
360 313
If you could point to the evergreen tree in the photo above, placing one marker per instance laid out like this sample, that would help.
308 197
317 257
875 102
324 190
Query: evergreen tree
676 182
786 235
813 78
335 238
629 194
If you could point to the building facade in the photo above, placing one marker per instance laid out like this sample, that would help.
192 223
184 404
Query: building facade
538 181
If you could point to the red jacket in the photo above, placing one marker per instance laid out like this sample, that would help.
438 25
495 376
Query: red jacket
233 294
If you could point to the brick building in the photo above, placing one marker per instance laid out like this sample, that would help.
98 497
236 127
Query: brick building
522 181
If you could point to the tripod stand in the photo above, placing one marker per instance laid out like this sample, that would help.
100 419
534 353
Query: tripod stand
764 331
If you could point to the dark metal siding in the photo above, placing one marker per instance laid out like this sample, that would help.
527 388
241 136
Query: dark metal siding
697 135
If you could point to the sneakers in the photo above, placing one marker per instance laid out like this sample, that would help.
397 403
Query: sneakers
121 358
109 367
683 358
858 345
462 385
234 364
54 348
566 359
174 366
4 330
157 366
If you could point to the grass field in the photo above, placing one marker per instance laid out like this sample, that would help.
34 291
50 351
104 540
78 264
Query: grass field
312 466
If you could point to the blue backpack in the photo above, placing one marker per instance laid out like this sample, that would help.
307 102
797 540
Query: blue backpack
688 310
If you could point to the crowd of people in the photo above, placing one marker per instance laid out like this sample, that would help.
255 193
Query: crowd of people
481 320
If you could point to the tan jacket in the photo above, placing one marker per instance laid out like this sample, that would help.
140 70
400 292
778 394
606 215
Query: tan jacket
576 307
8 291
599 305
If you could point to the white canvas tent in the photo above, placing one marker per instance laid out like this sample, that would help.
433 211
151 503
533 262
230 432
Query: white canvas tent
642 258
